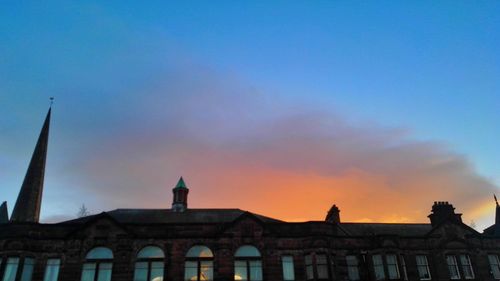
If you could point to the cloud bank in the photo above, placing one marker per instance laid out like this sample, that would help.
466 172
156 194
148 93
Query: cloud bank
240 147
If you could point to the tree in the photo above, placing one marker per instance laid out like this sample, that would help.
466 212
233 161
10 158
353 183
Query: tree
472 224
82 212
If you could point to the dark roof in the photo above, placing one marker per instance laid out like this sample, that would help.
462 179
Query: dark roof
161 216
406 229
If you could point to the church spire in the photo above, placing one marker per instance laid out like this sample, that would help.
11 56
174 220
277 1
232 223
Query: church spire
4 215
180 191
29 201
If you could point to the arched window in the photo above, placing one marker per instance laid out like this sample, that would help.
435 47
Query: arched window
199 264
98 265
150 264
247 264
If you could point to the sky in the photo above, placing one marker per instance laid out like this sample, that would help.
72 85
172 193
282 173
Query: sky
282 108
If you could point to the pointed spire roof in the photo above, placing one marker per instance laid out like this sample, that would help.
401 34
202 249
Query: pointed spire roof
29 201
4 214
181 183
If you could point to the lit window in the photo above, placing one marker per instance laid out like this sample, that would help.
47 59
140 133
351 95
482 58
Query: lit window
453 267
150 264
199 264
424 272
247 264
392 267
98 265
352 268
378 267
494 266
288 268
466 267
52 270
11 269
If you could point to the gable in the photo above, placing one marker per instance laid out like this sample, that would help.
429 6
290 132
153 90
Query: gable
246 225
101 227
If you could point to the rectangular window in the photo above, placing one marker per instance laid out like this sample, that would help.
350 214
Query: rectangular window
88 271
240 270
378 267
392 266
424 272
29 264
309 267
206 270
104 273
255 270
322 266
403 266
141 271
288 268
11 269
467 267
453 267
494 266
52 270
352 268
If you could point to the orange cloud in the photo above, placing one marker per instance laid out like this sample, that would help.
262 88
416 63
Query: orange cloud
238 148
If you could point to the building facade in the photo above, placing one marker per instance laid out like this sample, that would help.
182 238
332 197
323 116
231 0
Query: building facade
184 243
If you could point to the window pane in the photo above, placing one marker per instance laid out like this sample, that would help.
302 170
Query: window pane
423 267
11 269
157 271
392 266
255 270
240 270
378 267
141 271
288 268
28 266
100 253
247 251
52 270
452 267
494 265
466 267
88 271
191 271
199 252
151 252
352 267
104 273
403 265
308 260
207 270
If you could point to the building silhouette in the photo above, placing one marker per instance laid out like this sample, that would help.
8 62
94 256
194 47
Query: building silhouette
185 243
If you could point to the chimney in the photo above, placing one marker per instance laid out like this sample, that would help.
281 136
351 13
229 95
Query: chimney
333 215
443 211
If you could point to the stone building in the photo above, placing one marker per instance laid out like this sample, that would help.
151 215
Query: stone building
185 243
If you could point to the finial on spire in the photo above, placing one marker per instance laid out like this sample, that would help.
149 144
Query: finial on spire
51 101
496 200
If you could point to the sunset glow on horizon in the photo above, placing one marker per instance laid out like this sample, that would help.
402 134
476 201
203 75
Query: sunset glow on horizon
282 109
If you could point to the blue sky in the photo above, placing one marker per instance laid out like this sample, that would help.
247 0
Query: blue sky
426 69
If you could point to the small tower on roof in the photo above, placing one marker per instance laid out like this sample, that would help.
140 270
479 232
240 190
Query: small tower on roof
180 191
29 201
